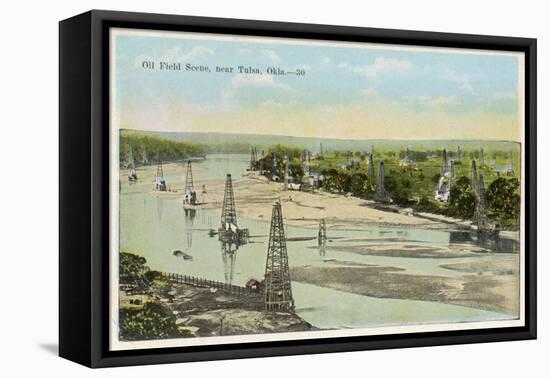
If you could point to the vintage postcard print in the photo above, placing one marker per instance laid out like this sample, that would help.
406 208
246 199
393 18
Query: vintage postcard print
276 189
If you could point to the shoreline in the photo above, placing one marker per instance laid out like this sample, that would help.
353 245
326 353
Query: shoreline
496 289
254 196
153 306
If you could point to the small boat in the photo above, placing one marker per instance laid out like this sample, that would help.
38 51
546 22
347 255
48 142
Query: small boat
184 255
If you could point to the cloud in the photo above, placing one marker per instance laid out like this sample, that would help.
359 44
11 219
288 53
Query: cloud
272 55
461 79
326 60
368 92
175 54
434 103
252 91
381 66
245 51
258 81
505 95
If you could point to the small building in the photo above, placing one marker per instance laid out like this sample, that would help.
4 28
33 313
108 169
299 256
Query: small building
255 284
504 170
315 179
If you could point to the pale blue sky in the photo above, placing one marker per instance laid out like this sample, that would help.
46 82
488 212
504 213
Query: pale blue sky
393 88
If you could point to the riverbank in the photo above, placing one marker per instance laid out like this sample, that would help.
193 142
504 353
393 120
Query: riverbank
151 306
255 194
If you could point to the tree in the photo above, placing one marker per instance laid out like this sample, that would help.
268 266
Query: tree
343 182
463 201
330 181
399 189
359 184
152 321
504 199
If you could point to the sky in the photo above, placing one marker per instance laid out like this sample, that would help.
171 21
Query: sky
348 91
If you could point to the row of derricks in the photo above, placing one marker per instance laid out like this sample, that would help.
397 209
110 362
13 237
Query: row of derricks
276 284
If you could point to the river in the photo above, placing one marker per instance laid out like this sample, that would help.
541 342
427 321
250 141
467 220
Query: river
153 227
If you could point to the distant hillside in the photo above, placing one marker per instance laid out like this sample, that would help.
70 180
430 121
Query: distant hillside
226 142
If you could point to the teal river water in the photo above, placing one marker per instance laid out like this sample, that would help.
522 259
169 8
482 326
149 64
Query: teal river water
154 227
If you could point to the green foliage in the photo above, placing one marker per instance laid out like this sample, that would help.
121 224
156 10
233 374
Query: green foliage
152 321
330 182
503 197
427 204
132 268
399 189
463 201
147 149
280 151
359 185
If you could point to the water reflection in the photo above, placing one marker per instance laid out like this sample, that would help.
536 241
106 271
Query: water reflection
322 238
160 208
229 256
493 243
189 222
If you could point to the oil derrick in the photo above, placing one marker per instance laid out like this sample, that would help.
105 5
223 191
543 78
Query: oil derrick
132 175
380 190
253 159
261 162
229 213
482 157
480 215
511 162
190 197
444 163
482 201
371 169
144 158
305 164
229 230
160 183
274 159
451 177
278 291
458 153
474 179
189 178
321 149
286 172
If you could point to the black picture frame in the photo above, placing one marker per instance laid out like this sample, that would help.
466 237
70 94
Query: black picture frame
84 197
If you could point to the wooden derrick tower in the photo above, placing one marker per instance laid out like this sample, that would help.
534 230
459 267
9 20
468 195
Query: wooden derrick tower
370 173
253 159
474 179
189 178
380 190
278 291
229 212
190 195
229 230
444 163
132 175
160 183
